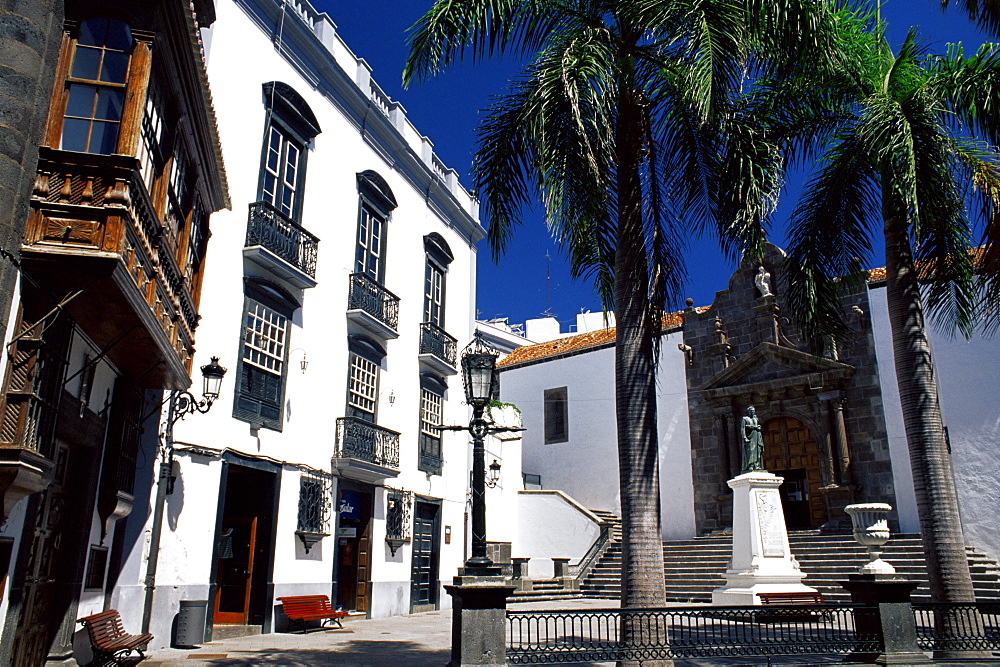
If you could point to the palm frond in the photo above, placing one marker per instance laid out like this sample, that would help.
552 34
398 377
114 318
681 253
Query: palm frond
986 13
830 237
970 87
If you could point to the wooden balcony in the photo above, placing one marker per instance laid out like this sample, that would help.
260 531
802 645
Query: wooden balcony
364 451
371 308
280 246
95 244
438 349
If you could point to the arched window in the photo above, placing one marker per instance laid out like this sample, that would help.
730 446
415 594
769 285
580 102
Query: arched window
439 256
291 125
376 203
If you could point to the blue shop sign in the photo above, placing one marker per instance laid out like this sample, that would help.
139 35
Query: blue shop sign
350 505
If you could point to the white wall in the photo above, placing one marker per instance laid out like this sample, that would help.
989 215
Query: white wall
968 375
586 467
554 526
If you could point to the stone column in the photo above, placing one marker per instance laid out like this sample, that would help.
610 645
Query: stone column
887 617
478 623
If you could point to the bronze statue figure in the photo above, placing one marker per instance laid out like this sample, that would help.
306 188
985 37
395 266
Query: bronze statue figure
753 443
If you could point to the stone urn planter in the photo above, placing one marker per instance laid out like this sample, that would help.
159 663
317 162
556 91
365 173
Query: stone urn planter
871 529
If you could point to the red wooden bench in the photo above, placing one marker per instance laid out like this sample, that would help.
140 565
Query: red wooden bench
301 609
797 597
109 640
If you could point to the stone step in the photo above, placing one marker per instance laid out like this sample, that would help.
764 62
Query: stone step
227 631
692 568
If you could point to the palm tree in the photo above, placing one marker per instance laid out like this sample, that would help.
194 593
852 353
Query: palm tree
610 125
908 141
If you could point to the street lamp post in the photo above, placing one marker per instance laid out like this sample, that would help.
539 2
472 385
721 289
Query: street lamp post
179 405
482 385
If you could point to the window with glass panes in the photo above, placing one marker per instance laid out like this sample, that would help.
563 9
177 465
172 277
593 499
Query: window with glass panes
96 87
176 194
261 383
371 231
362 393
434 294
430 435
281 171
151 142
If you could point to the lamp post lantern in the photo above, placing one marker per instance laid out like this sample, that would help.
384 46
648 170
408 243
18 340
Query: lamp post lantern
179 405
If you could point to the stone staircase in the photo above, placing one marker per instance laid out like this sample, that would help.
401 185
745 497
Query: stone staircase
694 567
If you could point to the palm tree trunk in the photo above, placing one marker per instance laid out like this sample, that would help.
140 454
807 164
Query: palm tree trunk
635 378
930 460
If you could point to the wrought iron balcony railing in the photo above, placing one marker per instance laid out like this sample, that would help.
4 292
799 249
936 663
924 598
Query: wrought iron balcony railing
367 295
364 441
435 340
272 230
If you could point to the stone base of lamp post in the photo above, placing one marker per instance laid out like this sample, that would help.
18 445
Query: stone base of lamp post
886 617
479 618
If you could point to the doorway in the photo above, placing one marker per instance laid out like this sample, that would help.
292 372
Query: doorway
243 545
790 451
354 516
426 556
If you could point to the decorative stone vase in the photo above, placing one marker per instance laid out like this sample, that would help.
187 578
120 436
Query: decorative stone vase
871 529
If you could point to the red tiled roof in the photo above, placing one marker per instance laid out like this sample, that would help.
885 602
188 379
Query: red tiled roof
585 341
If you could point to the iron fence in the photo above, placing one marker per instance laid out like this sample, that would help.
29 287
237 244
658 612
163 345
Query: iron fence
542 637
958 627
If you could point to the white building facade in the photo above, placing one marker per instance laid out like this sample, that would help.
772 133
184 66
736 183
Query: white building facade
339 293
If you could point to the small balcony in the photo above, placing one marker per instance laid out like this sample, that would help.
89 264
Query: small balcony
438 350
278 245
372 308
364 451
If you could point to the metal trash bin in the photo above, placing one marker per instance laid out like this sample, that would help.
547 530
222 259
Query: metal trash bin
191 623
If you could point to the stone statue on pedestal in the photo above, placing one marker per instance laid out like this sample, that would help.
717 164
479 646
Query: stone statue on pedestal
753 443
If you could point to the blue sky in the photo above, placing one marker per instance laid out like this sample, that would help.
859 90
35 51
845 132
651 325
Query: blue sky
533 277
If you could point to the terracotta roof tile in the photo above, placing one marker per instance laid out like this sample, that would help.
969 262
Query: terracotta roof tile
585 341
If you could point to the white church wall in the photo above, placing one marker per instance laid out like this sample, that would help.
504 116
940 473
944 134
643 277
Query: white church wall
968 375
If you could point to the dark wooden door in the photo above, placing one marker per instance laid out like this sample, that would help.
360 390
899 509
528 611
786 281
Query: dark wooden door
40 616
235 570
424 568
790 451
364 568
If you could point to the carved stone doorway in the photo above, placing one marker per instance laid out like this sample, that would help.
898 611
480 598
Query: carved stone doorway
790 451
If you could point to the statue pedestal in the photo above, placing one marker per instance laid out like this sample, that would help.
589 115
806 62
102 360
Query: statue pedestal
761 560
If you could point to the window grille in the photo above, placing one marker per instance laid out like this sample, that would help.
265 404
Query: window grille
398 506
363 393
430 436
96 567
314 503
264 339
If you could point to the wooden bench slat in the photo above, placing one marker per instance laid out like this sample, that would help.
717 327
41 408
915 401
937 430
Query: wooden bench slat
108 637
302 608
799 597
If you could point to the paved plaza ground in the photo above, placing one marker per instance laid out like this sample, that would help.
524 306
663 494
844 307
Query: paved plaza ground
398 641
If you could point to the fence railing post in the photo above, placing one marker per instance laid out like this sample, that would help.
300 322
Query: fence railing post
479 620
887 617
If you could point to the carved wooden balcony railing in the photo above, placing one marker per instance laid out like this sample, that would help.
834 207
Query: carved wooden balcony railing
365 451
438 349
94 229
373 307
284 240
